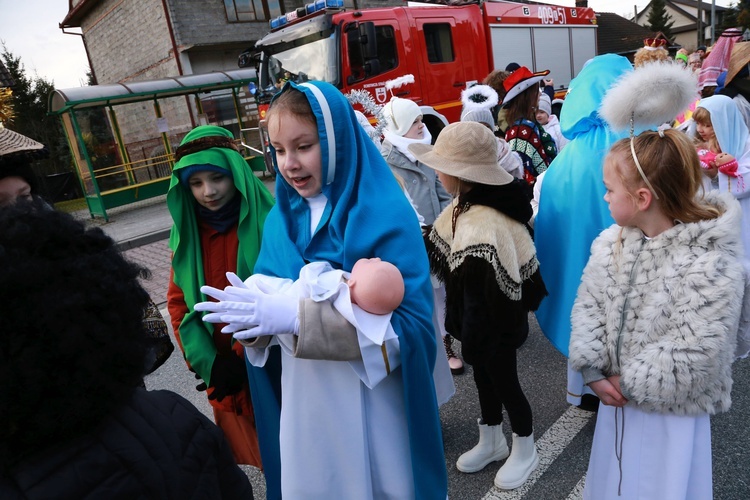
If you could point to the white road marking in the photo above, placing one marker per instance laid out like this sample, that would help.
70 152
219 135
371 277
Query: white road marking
549 447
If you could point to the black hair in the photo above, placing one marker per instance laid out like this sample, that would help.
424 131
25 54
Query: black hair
73 342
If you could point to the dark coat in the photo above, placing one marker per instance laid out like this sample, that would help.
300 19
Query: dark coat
157 446
489 267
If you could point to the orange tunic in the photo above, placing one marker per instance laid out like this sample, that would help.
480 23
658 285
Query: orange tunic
234 414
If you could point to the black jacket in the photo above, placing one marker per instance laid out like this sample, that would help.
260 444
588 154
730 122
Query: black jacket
157 446
465 254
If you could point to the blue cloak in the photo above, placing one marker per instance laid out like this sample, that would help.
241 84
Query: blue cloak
572 210
366 215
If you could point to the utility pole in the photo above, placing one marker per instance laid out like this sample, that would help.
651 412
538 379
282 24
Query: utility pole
713 21
699 24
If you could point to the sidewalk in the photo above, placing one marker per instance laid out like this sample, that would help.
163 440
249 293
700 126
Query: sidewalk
141 230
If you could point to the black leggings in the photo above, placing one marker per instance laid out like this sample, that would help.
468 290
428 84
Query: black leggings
498 386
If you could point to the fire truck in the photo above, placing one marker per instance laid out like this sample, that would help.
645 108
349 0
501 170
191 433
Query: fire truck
446 48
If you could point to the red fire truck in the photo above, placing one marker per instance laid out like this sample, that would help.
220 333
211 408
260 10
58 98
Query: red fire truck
446 48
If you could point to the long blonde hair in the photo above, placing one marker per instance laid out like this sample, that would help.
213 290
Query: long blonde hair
671 165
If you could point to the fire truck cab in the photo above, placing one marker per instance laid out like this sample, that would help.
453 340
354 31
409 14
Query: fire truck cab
446 48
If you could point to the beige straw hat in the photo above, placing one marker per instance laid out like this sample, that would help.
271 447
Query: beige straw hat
467 150
739 59
13 142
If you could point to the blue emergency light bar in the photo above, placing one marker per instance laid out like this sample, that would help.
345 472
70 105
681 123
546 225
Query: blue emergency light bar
310 8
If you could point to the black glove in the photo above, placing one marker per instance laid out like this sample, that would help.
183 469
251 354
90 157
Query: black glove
228 376
202 385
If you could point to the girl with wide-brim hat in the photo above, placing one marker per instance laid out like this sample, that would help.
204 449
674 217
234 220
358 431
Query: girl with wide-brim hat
481 248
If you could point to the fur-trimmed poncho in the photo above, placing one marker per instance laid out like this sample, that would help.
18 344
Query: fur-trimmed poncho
676 300
489 268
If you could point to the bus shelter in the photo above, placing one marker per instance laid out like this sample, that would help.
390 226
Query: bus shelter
122 136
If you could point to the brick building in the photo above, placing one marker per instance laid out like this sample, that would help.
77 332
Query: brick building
137 40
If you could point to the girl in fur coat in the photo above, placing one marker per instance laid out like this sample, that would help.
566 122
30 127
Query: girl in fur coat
481 248
655 320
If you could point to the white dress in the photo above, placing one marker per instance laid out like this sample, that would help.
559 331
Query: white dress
343 431
664 457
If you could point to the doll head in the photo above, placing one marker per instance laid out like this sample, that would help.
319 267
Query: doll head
723 158
376 286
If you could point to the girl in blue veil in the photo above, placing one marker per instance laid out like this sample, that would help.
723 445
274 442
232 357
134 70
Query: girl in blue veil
352 426
572 210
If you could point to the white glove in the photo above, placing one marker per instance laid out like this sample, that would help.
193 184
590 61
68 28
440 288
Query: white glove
250 313
232 298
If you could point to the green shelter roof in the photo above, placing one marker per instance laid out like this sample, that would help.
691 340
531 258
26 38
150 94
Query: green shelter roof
61 100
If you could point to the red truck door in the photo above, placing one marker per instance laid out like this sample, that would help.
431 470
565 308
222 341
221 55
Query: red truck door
395 55
451 53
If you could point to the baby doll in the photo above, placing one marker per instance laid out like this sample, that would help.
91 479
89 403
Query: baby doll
723 162
375 286
727 165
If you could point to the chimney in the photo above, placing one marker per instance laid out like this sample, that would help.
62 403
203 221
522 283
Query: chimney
582 3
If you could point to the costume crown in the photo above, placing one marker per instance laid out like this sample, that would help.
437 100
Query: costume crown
654 43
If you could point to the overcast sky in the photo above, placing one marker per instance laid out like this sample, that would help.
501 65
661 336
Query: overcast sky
29 29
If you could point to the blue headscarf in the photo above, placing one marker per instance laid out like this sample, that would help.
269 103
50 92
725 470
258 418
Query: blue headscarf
729 127
572 210
366 215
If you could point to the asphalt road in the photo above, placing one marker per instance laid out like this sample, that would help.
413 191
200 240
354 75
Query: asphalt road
563 433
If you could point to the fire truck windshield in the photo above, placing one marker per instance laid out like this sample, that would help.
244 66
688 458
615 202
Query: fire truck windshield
316 60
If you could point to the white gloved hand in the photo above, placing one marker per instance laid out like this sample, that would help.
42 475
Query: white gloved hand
250 313
230 299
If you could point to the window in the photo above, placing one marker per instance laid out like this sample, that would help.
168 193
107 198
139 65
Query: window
438 41
387 54
251 10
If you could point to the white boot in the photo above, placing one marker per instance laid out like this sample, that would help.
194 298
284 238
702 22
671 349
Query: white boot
491 447
521 463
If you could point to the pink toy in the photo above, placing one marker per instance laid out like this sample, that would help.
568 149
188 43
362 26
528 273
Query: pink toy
707 158
376 286
727 165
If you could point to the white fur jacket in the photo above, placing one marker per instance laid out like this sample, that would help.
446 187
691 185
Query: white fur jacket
663 312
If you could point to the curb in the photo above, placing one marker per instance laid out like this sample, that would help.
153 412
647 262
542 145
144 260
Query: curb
144 239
